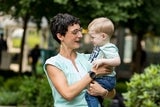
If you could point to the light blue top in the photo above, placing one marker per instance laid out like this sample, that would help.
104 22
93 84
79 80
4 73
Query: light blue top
72 76
108 51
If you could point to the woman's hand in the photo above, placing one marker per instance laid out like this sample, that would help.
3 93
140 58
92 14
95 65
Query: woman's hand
96 89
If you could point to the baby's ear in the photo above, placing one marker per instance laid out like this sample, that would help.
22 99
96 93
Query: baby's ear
104 36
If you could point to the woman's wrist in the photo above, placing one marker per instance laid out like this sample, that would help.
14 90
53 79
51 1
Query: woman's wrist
105 94
110 94
92 74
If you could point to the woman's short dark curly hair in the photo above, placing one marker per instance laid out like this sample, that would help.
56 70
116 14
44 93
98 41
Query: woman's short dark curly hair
60 24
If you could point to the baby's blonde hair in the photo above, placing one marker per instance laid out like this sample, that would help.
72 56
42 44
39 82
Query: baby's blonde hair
102 25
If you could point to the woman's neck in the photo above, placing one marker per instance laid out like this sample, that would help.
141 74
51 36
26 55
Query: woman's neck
67 52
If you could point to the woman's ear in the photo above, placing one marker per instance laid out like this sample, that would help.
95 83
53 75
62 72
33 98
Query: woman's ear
59 36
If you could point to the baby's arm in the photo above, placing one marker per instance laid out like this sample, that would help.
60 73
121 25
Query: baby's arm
111 62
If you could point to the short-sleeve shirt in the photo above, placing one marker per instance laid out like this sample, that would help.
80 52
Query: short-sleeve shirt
107 51
72 76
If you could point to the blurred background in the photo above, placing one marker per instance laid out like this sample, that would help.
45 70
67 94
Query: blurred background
25 24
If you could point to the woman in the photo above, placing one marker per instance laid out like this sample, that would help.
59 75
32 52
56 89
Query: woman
69 72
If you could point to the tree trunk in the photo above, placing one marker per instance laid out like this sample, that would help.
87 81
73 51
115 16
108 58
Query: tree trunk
25 19
138 54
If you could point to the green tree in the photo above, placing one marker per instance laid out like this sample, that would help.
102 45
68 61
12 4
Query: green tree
139 15
29 10
147 20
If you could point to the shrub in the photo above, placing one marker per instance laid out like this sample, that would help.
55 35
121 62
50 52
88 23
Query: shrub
8 98
121 87
44 98
1 80
35 92
28 91
12 84
143 89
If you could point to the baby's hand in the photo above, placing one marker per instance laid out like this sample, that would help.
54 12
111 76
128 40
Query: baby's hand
97 63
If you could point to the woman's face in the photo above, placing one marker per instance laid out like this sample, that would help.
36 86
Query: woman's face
73 36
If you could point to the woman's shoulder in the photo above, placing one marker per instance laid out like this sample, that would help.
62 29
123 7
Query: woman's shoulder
83 55
53 59
57 61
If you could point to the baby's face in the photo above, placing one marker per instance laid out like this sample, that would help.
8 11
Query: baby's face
96 38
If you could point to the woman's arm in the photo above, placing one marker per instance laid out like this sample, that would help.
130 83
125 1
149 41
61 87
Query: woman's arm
67 91
110 94
59 80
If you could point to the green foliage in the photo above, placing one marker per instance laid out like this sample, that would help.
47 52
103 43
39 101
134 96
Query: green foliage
61 1
45 96
107 102
1 80
16 42
121 87
32 39
143 89
116 10
8 97
11 85
29 90
132 13
26 91
8 90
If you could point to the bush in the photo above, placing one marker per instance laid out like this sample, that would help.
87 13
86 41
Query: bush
29 91
12 84
121 87
8 98
44 98
144 89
